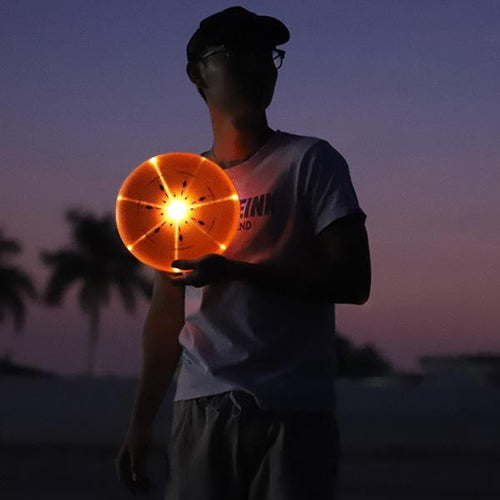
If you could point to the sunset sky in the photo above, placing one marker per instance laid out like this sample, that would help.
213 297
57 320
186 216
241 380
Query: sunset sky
407 91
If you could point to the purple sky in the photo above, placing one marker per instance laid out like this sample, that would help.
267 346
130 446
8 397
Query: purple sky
407 91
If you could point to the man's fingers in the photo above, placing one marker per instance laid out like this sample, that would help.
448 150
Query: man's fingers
133 473
123 469
138 464
191 278
130 467
182 264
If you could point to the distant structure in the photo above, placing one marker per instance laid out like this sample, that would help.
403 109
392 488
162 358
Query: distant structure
482 366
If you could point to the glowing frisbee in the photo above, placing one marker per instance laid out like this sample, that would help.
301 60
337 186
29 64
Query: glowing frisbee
177 206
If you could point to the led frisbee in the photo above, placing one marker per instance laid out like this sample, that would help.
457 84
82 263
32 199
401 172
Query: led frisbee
177 206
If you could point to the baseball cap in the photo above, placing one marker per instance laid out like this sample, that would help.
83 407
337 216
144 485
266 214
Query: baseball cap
236 24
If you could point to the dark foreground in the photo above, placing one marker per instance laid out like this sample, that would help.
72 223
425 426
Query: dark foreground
437 439
66 472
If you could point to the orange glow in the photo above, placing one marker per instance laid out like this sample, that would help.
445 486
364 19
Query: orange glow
176 206
177 210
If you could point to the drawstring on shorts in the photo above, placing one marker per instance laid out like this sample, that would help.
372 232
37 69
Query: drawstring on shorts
235 401
239 400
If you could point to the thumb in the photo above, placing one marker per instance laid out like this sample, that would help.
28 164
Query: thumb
183 264
132 466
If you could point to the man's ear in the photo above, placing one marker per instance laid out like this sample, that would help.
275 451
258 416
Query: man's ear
193 72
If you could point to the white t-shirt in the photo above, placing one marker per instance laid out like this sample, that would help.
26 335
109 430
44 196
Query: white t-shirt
280 349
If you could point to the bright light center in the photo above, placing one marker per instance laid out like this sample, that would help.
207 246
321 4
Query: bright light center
177 210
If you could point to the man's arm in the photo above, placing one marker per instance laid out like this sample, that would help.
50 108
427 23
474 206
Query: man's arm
160 348
340 272
160 356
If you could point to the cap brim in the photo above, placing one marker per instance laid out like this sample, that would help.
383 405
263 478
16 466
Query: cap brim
274 30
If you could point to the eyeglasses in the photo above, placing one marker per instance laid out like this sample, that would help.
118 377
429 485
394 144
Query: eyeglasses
232 52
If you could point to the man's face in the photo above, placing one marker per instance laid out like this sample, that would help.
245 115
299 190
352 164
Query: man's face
238 76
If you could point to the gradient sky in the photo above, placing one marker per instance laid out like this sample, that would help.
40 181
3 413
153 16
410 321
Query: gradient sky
406 90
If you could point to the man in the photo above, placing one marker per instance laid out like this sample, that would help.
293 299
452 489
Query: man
254 406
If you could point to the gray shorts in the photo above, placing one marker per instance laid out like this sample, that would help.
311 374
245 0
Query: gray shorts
225 447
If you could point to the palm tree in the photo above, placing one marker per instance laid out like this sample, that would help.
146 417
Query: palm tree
97 259
14 283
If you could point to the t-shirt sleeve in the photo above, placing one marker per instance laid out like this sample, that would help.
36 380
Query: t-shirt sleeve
325 188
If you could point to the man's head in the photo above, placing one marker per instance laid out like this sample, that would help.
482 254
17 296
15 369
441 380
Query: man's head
230 58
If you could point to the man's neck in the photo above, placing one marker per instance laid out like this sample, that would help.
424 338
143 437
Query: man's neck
237 138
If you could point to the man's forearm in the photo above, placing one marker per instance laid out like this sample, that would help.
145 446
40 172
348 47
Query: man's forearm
153 383
309 283
160 358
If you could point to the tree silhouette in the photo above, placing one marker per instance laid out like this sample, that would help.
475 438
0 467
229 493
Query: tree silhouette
14 285
98 260
361 361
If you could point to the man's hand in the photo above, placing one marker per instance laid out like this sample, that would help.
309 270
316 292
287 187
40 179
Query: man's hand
208 269
132 457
